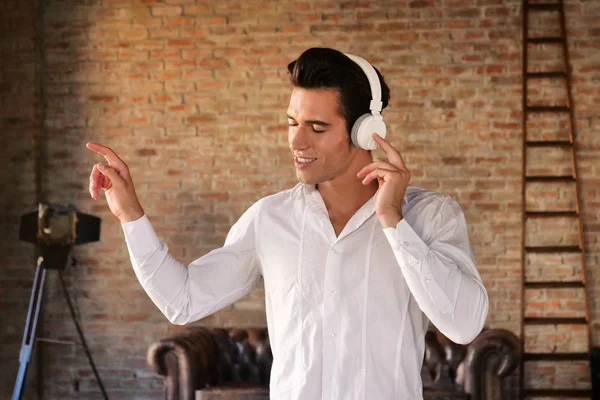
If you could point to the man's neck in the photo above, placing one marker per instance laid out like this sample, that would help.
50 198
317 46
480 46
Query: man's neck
346 194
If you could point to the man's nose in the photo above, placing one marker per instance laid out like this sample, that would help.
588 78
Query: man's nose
299 138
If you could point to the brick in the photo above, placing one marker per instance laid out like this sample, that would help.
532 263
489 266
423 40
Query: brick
214 63
150 23
165 33
180 22
463 12
197 9
134 34
491 69
166 54
180 43
166 11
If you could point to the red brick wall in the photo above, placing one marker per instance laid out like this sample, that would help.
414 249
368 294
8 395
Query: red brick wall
193 94
19 124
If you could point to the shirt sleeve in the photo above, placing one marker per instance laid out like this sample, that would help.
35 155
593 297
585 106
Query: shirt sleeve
441 272
213 281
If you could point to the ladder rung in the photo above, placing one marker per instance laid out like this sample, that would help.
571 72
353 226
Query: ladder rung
541 40
558 393
557 109
553 249
544 6
554 285
57 341
551 74
554 320
563 178
550 214
556 356
548 143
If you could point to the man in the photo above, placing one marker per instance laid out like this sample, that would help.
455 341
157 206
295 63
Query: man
354 260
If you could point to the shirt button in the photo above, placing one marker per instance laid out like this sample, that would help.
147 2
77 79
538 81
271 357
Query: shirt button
332 334
334 250
427 280
333 292
406 243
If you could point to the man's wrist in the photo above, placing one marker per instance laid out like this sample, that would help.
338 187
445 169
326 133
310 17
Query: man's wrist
390 220
132 216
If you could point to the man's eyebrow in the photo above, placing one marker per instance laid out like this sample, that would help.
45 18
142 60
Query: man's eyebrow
312 121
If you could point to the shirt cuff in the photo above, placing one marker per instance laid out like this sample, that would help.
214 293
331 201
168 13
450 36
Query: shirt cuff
141 238
412 255
403 237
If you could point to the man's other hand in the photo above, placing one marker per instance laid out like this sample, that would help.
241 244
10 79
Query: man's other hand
115 180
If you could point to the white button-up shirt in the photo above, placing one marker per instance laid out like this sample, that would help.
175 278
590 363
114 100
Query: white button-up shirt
347 314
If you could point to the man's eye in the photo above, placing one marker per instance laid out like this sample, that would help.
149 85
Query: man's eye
292 124
316 130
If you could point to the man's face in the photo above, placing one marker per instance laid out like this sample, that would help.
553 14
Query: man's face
317 135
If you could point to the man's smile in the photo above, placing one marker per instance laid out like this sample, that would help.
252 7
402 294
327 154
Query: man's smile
303 162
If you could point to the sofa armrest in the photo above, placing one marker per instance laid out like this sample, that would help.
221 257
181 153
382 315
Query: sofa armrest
187 361
492 356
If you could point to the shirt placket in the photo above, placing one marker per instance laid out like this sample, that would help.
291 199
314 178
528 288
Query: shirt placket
331 321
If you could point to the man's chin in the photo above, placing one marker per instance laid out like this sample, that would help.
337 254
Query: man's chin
307 180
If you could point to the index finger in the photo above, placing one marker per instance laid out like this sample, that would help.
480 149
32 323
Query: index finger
112 157
394 156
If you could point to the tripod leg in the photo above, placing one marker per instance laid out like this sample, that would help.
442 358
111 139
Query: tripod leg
37 292
81 337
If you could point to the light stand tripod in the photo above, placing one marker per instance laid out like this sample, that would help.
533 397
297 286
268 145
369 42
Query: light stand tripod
58 228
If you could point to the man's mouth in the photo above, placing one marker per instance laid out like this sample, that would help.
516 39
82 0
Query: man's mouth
302 162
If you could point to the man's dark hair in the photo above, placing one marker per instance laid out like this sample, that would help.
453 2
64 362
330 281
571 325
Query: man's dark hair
323 68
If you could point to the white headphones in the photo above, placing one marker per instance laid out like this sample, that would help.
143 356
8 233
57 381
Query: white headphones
367 124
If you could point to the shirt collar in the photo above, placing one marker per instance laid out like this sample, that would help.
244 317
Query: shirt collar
309 191
317 206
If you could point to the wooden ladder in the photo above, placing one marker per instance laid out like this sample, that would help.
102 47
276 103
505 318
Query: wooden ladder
564 76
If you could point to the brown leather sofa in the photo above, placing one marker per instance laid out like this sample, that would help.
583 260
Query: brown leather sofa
226 364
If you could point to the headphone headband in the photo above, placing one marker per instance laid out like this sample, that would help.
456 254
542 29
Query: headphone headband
374 82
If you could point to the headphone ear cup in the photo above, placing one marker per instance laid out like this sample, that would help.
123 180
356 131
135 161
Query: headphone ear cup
354 134
364 128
